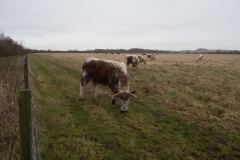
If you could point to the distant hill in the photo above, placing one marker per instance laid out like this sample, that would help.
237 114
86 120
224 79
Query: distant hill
204 50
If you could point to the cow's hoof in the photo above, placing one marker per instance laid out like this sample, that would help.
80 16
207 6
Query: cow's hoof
80 99
113 101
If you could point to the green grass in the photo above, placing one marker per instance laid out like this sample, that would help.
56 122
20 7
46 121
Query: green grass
160 124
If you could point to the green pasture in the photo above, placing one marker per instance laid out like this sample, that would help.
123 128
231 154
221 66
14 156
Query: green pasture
169 119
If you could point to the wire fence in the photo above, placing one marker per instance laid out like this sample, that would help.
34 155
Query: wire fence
35 140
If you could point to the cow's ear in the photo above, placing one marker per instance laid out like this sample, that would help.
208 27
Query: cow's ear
133 92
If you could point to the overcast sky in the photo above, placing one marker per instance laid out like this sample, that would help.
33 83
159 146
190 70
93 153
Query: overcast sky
122 24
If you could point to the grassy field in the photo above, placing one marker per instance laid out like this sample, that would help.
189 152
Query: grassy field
184 109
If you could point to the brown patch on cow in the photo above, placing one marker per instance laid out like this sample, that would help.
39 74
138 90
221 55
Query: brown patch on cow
124 95
129 60
104 73
99 71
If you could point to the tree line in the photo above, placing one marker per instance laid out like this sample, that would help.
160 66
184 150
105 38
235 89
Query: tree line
10 47
133 50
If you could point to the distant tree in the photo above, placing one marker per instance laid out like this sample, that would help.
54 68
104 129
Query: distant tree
9 47
9 40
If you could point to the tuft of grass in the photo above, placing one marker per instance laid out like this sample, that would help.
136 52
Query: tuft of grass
184 109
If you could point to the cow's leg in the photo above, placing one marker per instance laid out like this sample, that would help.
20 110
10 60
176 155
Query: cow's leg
114 100
114 90
83 84
134 67
94 88
82 88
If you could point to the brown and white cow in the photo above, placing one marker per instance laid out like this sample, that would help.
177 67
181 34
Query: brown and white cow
134 60
141 59
107 72
151 56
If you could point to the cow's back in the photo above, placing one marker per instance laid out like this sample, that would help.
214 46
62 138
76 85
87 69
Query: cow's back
103 71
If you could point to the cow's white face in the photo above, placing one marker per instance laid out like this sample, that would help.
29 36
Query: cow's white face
142 60
124 99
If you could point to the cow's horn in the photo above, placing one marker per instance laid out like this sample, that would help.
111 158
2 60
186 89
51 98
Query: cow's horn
133 95
115 95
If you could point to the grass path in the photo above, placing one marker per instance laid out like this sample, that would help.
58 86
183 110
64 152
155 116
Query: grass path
89 129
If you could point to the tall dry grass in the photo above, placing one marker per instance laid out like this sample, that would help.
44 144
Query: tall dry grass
207 91
11 80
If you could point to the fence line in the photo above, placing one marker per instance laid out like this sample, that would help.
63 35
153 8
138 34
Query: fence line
32 133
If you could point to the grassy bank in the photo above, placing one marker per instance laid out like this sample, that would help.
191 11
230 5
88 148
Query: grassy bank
11 80
184 109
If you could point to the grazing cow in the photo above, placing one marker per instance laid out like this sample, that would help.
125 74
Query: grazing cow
134 60
151 56
142 59
107 72
200 58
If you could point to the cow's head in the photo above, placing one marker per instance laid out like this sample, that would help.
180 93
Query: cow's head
124 99
142 59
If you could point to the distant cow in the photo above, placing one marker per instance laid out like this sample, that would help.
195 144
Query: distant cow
200 58
107 72
134 60
151 56
142 59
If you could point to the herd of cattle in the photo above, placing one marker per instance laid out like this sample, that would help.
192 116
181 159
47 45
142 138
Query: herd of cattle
113 74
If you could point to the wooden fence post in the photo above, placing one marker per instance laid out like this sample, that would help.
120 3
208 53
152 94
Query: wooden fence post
26 59
26 76
25 124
